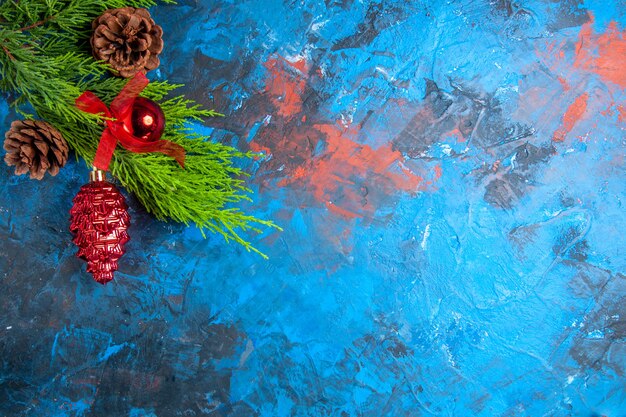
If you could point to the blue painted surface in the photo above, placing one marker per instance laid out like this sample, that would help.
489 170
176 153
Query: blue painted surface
450 177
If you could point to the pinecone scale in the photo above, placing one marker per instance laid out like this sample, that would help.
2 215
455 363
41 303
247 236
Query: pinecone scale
128 40
35 146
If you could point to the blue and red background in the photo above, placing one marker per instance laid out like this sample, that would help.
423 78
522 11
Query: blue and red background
450 179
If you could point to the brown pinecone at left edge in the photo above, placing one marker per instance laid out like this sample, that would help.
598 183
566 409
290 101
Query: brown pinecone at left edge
128 40
35 146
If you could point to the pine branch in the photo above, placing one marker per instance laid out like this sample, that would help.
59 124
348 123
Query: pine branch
45 62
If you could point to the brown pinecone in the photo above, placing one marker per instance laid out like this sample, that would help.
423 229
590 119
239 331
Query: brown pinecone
35 146
128 40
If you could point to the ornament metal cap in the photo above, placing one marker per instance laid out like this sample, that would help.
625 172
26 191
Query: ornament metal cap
97 175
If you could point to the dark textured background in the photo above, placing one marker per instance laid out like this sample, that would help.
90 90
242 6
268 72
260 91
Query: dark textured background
450 177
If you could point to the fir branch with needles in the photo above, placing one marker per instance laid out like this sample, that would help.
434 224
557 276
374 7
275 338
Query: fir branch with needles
45 64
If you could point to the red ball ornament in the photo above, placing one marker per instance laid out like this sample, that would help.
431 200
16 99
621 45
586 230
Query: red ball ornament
99 220
147 120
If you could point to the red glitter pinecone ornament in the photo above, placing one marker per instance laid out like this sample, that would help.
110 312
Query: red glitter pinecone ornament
99 220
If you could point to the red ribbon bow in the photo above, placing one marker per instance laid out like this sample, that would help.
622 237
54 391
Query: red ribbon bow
119 116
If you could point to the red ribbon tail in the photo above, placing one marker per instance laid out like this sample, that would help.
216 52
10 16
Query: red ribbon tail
105 150
165 147
136 145
90 103
123 103
170 149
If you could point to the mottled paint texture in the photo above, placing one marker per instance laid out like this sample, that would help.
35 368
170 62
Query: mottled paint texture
450 177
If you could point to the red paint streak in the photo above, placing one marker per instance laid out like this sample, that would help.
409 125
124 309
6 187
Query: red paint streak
438 172
622 113
432 177
348 178
564 84
341 211
325 162
552 54
603 54
457 134
285 86
608 111
300 65
573 114
298 173
257 148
